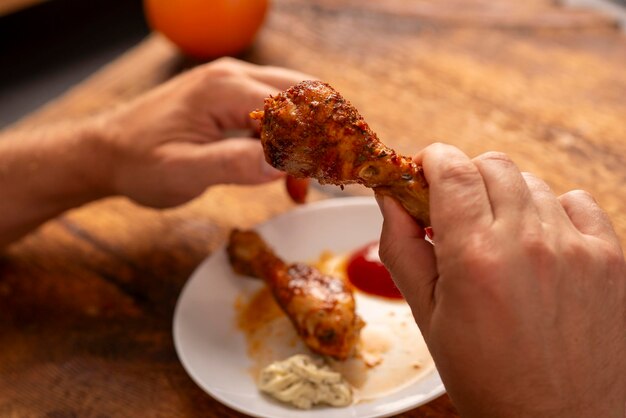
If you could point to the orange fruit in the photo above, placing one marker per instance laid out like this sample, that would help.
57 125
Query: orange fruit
207 28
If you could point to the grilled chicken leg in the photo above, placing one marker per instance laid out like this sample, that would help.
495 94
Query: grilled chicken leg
309 130
321 307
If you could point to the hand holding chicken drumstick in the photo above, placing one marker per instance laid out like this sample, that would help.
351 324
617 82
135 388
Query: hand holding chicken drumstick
522 299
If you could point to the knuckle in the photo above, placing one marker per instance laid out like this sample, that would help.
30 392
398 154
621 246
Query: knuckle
225 63
531 178
575 250
436 149
479 254
495 156
482 263
221 68
614 258
540 252
596 255
578 195
436 145
535 183
533 242
460 172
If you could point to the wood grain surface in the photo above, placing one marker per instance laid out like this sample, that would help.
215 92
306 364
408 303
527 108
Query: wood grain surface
87 300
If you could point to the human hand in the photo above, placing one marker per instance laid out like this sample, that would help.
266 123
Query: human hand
169 145
521 300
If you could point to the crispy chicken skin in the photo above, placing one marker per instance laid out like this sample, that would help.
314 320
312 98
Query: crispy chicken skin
321 307
309 130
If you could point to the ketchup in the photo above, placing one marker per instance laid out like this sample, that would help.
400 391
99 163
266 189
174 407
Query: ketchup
367 273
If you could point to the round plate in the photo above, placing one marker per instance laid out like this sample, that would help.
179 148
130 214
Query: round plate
212 349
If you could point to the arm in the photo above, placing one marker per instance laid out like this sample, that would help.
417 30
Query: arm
161 150
522 298
45 172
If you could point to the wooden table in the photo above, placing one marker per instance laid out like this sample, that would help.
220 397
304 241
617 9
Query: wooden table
87 300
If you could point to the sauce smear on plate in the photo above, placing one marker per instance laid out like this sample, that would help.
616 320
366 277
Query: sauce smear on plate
367 273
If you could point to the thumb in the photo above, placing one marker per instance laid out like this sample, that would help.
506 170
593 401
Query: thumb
232 161
409 258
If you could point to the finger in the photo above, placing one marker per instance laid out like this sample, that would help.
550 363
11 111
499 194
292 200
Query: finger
587 216
458 197
237 97
409 258
507 190
232 89
230 161
220 95
545 202
280 78
277 77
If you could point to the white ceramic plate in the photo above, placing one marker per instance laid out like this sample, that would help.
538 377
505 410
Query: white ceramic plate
213 350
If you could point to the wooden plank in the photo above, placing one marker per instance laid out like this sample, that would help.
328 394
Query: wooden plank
503 14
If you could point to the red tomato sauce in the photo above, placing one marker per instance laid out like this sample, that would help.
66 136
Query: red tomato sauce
367 273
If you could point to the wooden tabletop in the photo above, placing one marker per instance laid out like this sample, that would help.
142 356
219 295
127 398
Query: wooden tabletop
87 300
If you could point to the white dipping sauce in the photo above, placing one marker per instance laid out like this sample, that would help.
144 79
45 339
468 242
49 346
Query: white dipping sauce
304 381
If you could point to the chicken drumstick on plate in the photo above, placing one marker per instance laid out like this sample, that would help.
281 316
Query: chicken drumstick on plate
321 307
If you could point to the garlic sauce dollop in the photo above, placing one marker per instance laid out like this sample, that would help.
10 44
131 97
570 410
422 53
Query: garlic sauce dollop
304 382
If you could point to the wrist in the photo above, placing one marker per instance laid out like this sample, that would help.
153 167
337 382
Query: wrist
47 171
97 163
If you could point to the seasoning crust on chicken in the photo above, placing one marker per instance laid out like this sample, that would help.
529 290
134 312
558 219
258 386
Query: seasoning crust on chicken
321 307
310 130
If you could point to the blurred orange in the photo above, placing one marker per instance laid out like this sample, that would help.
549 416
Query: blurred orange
207 28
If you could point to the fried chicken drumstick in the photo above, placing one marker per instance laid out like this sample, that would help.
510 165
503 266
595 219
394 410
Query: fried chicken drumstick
321 307
309 130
